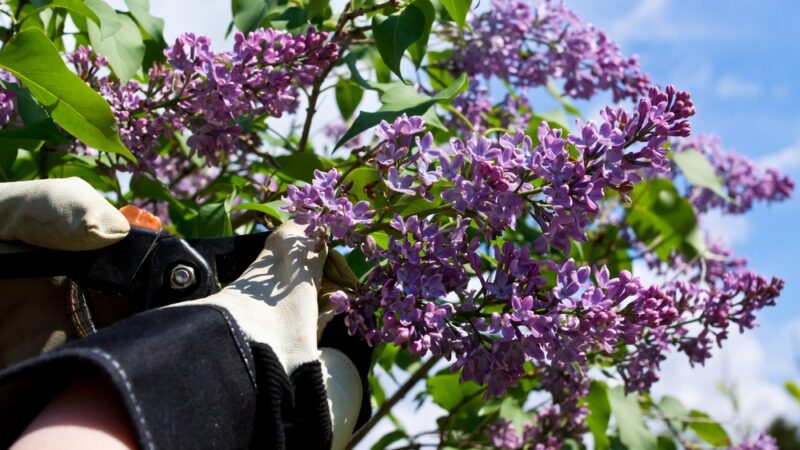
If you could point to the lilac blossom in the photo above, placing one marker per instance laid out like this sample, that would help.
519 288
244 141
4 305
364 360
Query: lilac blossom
757 441
743 181
204 94
418 294
320 207
8 100
527 45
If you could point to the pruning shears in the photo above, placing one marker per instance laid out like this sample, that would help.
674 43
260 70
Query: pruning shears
147 268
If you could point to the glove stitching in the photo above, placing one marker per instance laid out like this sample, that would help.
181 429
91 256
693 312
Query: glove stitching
238 336
129 388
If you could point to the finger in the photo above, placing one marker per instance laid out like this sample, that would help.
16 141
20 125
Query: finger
62 214
343 387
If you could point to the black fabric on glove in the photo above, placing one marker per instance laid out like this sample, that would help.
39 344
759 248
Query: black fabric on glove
187 379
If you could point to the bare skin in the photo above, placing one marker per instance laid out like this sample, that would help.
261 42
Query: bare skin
88 414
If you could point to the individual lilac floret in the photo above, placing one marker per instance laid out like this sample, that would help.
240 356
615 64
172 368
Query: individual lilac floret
744 182
321 207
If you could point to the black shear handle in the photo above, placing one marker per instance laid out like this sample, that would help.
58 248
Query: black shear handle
149 269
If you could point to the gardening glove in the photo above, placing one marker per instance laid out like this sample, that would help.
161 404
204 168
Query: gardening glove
61 214
275 302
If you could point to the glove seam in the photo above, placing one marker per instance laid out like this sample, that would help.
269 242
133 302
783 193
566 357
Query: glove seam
239 339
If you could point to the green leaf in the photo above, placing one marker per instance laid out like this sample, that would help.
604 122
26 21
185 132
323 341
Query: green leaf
396 33
358 263
599 413
568 107
272 209
213 220
632 431
674 411
381 239
708 430
399 99
457 10
448 392
109 21
299 166
153 26
74 6
666 443
30 111
7 159
73 105
361 178
386 356
663 219
123 49
418 48
793 389
29 137
250 14
511 411
348 96
388 439
695 167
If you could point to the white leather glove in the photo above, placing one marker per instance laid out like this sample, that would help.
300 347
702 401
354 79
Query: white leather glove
275 303
61 214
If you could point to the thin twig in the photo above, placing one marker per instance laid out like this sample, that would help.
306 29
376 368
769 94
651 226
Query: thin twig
337 37
387 406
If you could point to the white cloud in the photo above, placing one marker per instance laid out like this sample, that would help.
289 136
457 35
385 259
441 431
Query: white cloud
780 92
731 229
731 87
785 160
743 365
651 21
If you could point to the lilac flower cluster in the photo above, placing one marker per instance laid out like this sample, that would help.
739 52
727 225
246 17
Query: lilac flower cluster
757 441
503 435
744 182
321 207
710 296
206 94
527 45
484 187
8 100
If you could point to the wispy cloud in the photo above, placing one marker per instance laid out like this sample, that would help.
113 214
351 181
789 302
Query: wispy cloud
732 87
785 160
731 229
743 365
651 20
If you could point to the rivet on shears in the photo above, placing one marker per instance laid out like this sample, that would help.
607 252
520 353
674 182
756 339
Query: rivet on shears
181 277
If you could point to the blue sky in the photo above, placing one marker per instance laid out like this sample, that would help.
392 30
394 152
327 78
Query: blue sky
741 62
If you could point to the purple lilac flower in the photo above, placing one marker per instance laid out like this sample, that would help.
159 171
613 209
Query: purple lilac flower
335 130
744 182
204 94
527 45
8 100
503 435
757 441
319 206
513 317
